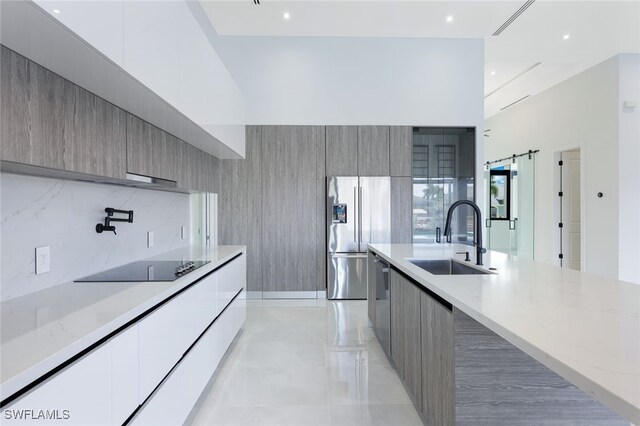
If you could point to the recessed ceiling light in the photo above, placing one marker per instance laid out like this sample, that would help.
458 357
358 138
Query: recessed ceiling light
286 15
566 36
56 11
493 73
450 18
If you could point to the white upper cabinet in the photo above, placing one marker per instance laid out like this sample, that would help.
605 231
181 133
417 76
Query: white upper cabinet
151 46
161 44
99 23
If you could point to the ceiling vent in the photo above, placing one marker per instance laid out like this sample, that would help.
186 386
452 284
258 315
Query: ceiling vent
513 79
513 103
513 17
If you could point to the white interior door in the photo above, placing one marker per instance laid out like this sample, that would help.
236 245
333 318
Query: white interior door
571 220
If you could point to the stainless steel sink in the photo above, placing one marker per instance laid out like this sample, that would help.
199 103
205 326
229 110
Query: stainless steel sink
447 267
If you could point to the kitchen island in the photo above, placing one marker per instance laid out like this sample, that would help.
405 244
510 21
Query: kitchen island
525 336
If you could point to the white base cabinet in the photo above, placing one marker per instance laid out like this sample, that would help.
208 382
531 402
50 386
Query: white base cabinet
101 388
107 385
174 400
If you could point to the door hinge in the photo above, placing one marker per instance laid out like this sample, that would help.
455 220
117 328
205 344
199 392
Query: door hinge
560 194
560 163
560 256
560 225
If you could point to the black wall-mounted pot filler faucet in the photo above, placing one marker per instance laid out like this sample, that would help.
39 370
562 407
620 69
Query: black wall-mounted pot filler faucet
100 228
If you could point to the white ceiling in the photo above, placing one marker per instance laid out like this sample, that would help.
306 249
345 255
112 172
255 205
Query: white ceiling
598 30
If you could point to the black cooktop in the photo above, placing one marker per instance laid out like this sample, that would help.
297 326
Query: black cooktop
145 270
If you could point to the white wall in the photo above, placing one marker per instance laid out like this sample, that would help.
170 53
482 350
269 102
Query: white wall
306 80
581 112
352 80
63 214
629 169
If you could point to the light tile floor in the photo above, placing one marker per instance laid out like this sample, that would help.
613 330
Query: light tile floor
303 362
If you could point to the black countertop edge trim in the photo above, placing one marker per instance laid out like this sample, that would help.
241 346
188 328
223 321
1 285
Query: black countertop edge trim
439 299
195 342
104 339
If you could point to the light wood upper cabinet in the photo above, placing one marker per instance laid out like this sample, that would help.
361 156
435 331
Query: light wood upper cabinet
50 122
151 151
14 108
373 150
98 143
400 150
341 150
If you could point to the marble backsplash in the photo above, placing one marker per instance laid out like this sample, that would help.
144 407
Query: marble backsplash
63 214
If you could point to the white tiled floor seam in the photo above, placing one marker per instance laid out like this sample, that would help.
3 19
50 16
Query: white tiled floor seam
307 362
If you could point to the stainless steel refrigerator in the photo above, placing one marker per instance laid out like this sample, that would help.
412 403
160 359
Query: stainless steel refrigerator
358 213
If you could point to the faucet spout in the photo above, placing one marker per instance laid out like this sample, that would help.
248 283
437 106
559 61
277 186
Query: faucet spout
478 231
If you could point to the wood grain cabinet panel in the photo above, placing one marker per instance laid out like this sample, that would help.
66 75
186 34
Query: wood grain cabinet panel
401 210
150 150
37 107
371 288
373 150
400 150
14 107
397 320
438 393
97 144
498 384
341 150
51 112
50 122
412 356
240 205
289 207
254 219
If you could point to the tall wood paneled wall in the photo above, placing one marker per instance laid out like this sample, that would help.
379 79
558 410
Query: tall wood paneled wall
273 201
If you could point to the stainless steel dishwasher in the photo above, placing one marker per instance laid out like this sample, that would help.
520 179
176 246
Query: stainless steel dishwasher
382 326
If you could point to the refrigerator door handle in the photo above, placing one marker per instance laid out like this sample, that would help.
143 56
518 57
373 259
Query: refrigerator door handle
349 256
360 217
355 215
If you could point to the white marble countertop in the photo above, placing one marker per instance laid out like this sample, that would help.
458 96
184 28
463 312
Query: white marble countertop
41 330
583 327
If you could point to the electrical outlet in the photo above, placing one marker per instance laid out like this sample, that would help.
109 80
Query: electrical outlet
183 232
150 239
43 260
